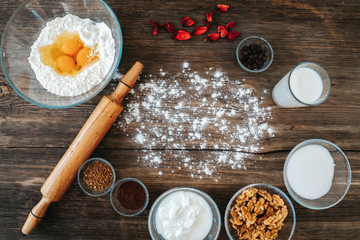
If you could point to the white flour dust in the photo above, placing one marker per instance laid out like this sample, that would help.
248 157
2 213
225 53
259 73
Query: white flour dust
188 111
205 164
92 34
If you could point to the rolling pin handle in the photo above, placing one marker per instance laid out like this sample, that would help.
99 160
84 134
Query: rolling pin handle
36 215
128 80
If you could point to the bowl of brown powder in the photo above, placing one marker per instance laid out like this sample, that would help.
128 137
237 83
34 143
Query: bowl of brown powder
129 197
96 177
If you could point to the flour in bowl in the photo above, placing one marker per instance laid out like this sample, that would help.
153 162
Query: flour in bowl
95 35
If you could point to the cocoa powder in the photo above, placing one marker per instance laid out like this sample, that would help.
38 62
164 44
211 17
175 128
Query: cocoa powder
131 195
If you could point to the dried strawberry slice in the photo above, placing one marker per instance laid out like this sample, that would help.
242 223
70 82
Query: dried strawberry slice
182 35
209 17
187 22
232 35
223 7
222 30
156 27
169 27
200 30
212 37
207 24
230 25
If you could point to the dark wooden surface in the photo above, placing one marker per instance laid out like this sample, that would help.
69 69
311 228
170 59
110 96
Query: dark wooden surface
33 139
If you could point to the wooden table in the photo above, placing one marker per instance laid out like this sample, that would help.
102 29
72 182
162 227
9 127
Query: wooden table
33 139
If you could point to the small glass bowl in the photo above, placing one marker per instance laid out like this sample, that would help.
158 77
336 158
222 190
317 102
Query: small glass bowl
286 231
83 185
341 181
215 229
264 44
22 30
116 204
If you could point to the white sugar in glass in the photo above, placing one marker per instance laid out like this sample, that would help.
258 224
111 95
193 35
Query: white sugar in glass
310 171
317 174
308 84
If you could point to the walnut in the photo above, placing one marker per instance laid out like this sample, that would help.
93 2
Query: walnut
251 203
258 215
260 206
277 201
265 195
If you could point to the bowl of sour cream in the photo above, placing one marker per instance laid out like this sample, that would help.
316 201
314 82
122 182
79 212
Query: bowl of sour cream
59 54
184 213
317 174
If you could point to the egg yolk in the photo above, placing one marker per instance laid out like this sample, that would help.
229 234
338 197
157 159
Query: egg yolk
70 47
65 63
68 55
84 56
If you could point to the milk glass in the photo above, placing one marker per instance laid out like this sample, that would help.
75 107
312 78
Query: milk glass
308 84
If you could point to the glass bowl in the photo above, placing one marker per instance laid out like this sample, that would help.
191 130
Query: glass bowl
116 204
286 231
23 29
341 180
83 185
215 229
261 42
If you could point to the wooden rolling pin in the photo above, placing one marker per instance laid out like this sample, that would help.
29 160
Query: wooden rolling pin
82 147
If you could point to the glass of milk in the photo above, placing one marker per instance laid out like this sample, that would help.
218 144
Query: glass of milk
317 174
308 84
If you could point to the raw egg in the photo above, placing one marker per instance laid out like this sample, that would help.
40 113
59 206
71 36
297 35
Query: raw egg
71 47
68 55
65 63
84 56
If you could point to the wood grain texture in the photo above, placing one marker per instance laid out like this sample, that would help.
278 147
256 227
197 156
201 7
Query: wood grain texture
33 139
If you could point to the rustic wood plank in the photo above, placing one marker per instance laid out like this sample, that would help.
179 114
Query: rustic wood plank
94 218
337 53
33 139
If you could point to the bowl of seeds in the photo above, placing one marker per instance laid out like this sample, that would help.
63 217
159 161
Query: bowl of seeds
254 54
96 177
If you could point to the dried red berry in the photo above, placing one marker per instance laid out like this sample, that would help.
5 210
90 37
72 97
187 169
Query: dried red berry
200 30
230 25
212 37
209 17
223 7
222 30
156 27
187 22
182 35
169 27
207 24
232 35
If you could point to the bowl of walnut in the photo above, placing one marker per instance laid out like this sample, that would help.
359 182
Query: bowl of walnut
260 211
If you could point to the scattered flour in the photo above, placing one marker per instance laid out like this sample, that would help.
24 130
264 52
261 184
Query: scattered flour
191 111
185 65
92 34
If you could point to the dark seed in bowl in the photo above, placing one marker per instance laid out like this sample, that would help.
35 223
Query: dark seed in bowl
253 56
